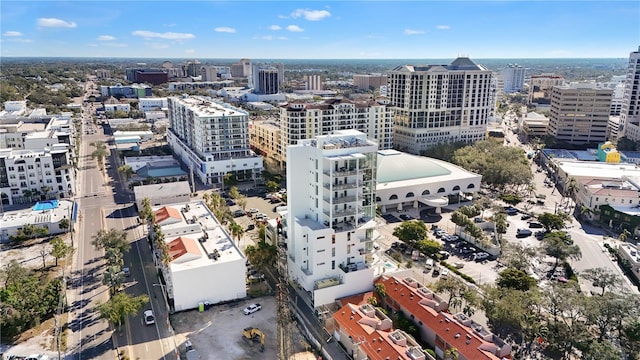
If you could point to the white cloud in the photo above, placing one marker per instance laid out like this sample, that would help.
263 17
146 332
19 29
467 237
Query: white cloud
264 37
295 28
20 40
224 29
282 38
166 35
443 27
12 33
413 32
55 23
275 27
190 51
116 44
158 46
106 38
311 15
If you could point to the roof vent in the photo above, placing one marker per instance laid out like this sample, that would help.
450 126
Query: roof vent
457 335
379 349
468 342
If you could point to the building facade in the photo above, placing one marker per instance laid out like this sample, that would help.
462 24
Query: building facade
301 121
331 214
513 78
152 104
29 175
313 82
440 104
630 112
541 86
579 113
212 139
266 78
365 82
129 91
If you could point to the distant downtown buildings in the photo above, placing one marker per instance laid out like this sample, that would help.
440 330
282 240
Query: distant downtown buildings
513 78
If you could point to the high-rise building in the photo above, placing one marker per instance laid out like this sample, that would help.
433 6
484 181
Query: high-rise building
331 214
440 104
513 78
212 139
580 113
541 86
313 82
370 80
630 113
265 79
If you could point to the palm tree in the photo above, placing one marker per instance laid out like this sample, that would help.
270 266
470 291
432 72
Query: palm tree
451 354
113 277
571 188
236 230
100 152
126 171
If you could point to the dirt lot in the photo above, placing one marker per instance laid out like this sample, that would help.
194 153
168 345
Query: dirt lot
217 332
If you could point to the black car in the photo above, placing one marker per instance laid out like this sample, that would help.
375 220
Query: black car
523 233
406 217
525 217
535 225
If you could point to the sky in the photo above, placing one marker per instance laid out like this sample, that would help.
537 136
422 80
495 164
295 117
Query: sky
319 29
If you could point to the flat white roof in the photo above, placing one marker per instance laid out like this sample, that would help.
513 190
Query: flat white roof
19 218
199 223
593 168
160 190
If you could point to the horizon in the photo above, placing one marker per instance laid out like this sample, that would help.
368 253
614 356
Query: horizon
361 30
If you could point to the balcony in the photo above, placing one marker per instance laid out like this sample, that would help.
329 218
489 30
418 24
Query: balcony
343 199
341 186
341 172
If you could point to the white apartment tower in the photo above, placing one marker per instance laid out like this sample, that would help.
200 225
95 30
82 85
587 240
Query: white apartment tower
580 113
513 78
265 79
630 113
212 139
331 214
440 104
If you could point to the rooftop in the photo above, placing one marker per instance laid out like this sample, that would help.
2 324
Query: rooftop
158 190
197 223
205 107
12 219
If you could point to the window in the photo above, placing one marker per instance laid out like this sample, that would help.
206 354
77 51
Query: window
426 192
333 238
456 188
410 195
333 252
333 264
393 197
441 190
471 186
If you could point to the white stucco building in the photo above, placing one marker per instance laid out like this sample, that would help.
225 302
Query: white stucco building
212 138
163 194
117 107
405 181
331 211
513 78
206 264
12 221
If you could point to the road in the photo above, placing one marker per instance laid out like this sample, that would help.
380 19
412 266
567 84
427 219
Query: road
103 205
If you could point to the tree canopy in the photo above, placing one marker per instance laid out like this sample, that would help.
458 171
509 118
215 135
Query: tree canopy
500 166
411 231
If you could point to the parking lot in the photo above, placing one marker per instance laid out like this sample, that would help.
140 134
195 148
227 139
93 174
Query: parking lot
217 333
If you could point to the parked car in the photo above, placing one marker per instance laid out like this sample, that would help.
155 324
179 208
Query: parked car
126 271
540 234
511 210
445 273
148 317
450 238
406 217
444 255
525 217
535 225
439 233
523 233
239 213
480 256
429 263
252 308
458 265
251 227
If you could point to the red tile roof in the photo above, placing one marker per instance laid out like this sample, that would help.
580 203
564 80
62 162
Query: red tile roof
442 323
165 213
181 246
375 343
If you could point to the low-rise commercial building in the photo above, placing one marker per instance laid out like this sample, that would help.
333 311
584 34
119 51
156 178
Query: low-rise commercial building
630 253
406 181
439 328
45 214
204 264
163 194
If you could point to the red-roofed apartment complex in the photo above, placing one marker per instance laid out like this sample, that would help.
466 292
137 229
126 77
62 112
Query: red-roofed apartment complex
367 333
439 328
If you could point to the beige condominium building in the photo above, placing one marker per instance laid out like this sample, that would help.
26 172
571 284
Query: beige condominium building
579 113
440 104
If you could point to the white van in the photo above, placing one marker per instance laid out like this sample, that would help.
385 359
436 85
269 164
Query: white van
429 263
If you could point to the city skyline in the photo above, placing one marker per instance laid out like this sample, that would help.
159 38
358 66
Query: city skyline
320 30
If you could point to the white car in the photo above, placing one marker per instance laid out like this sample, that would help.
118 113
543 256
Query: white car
148 318
252 308
444 273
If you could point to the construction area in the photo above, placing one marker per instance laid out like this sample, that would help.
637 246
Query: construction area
221 331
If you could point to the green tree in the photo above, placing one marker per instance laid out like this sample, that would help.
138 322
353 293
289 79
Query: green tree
121 305
429 247
515 279
146 213
113 277
551 221
234 193
262 254
126 171
111 238
411 232
559 246
500 166
272 186
64 224
59 249
380 290
602 278
451 354
517 256
100 152
236 230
